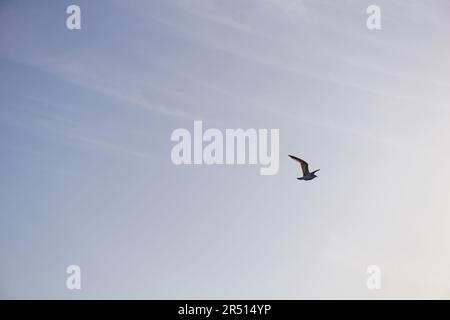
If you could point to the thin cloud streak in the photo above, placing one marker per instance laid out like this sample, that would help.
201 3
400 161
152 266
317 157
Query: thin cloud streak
110 146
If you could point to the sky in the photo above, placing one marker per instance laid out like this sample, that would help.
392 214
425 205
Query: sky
87 179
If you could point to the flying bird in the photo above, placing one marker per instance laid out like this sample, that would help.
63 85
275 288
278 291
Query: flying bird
304 165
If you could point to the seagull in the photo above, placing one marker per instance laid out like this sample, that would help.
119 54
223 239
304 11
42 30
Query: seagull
304 165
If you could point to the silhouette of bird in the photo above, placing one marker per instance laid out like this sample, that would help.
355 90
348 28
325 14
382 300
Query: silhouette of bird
304 165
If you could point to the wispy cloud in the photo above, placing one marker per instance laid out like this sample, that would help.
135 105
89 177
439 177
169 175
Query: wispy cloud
103 84
110 146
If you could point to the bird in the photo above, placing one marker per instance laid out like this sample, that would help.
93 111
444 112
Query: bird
304 165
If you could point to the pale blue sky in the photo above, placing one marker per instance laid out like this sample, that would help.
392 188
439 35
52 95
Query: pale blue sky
86 176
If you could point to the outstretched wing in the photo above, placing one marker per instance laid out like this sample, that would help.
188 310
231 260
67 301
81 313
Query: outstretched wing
303 164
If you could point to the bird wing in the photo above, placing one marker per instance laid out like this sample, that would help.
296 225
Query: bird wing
303 164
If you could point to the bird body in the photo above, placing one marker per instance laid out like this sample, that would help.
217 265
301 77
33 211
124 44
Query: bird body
305 169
